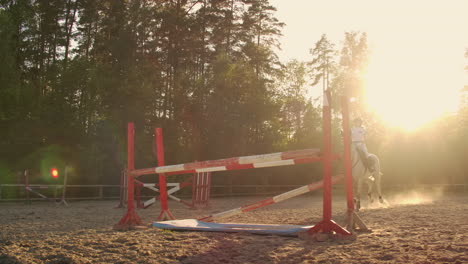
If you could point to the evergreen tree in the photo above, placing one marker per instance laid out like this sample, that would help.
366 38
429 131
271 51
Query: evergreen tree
323 63
354 59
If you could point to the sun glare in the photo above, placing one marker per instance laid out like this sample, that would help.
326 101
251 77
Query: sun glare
416 51
407 90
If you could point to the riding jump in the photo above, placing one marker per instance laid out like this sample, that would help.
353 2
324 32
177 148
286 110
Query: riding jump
327 225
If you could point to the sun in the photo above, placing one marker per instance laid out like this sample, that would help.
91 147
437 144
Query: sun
407 90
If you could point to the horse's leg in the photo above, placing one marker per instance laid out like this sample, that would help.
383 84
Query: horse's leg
378 178
370 188
358 194
357 203
369 196
379 187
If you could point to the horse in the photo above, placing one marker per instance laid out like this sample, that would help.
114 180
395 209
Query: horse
362 175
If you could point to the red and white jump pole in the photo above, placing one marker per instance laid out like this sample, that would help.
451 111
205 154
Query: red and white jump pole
237 163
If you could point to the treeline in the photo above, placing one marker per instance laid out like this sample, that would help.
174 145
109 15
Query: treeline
74 72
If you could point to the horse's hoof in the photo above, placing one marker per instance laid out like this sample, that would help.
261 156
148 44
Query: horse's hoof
381 200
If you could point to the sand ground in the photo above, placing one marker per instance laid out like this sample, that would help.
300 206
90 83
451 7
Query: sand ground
420 229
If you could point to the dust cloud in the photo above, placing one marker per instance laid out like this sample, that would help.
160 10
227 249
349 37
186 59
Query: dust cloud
409 197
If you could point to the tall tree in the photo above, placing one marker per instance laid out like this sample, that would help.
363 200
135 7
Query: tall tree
323 62
354 60
261 32
9 70
292 94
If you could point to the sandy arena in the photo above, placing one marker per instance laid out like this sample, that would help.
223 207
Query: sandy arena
413 229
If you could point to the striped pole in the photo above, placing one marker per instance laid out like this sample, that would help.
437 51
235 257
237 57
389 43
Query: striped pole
237 163
270 201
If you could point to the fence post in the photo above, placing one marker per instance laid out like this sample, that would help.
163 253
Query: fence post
64 188
123 189
101 192
26 186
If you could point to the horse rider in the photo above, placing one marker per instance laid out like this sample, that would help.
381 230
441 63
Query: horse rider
358 137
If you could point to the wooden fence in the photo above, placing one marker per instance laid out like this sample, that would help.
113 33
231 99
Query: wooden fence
17 192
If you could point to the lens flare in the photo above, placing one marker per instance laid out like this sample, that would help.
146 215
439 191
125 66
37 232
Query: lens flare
54 173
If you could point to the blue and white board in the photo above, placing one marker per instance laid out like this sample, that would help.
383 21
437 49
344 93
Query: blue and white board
195 225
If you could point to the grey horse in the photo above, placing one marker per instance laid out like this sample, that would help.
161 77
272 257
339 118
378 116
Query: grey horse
362 175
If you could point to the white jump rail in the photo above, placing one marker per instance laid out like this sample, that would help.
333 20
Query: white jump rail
270 201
